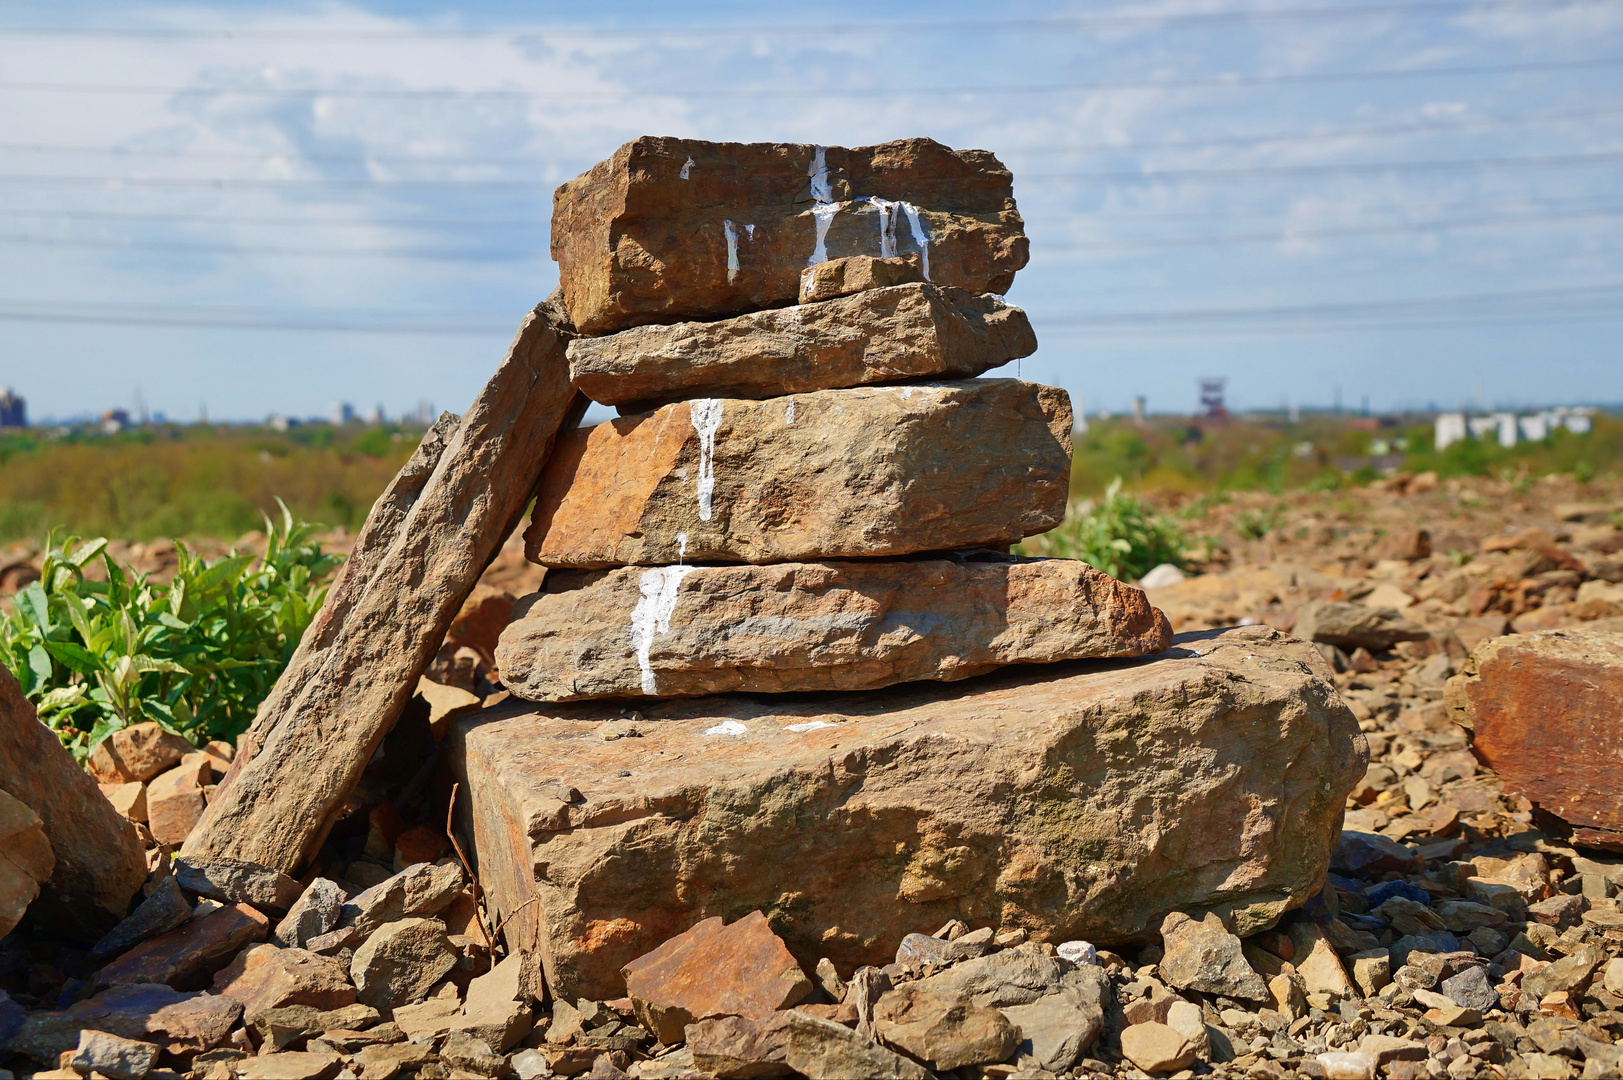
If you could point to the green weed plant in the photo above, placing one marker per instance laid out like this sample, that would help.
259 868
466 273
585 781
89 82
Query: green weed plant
1118 534
196 655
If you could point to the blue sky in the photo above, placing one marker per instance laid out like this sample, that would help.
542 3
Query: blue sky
219 205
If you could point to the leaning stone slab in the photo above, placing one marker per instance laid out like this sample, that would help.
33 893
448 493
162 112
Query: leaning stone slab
863 472
1545 711
1083 800
674 229
424 545
99 857
183 1024
879 336
858 625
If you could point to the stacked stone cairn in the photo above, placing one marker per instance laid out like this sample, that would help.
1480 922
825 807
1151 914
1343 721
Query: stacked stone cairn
741 686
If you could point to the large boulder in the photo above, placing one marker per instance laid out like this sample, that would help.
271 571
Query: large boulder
674 229
1545 712
862 472
882 335
100 861
857 625
1081 800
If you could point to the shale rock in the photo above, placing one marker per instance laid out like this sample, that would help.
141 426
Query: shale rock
497 1011
165 910
1202 955
837 473
857 273
99 863
113 1057
683 632
714 970
267 977
880 336
1545 711
232 881
673 229
400 962
136 753
791 1042
180 1023
188 957
1355 626
425 543
884 811
418 891
941 1030
26 861
314 913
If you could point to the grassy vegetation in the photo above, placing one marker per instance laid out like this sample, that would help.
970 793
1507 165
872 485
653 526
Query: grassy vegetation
170 480
197 655
1116 533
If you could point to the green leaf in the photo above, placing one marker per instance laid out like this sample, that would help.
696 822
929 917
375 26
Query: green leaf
226 571
39 662
74 657
87 551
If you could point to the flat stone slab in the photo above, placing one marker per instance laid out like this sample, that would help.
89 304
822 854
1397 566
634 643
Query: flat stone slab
686 631
668 229
1083 800
878 336
864 472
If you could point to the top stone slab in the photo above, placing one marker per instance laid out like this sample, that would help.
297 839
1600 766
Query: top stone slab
669 230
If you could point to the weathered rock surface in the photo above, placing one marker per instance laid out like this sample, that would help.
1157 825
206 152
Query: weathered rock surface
1157 1048
1545 711
232 881
423 547
673 229
188 957
136 754
813 626
1212 776
1201 955
400 962
941 1030
180 1023
268 977
26 861
857 273
878 336
165 910
314 913
418 891
837 473
112 1056
791 1042
175 800
497 1010
99 857
713 969
1355 626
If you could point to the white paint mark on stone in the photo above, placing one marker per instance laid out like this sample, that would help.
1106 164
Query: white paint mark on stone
920 237
749 230
789 412
706 415
821 190
728 727
681 547
687 168
652 615
823 214
731 232
810 725
887 226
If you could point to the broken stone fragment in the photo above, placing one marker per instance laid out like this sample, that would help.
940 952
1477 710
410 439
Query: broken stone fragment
855 274
916 792
419 891
188 957
790 1042
1355 626
26 861
855 625
165 910
112 1056
496 1010
400 962
713 969
314 913
1054 1030
267 977
293 1065
184 1024
882 336
864 472
99 861
426 541
1202 955
1157 1048
1545 712
232 881
129 799
942 1030
136 754
175 801
673 229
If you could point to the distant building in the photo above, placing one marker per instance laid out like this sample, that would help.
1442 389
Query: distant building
342 413
1507 428
282 423
1211 398
13 410
114 420
1450 429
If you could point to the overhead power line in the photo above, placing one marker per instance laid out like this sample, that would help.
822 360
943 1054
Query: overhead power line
823 93
1435 8
1248 171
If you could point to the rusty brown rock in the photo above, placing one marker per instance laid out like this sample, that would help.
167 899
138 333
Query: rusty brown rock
713 969
834 474
181 1023
814 626
100 861
138 752
1210 777
857 273
672 229
417 558
175 799
878 336
1545 711
268 977
188 957
26 861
